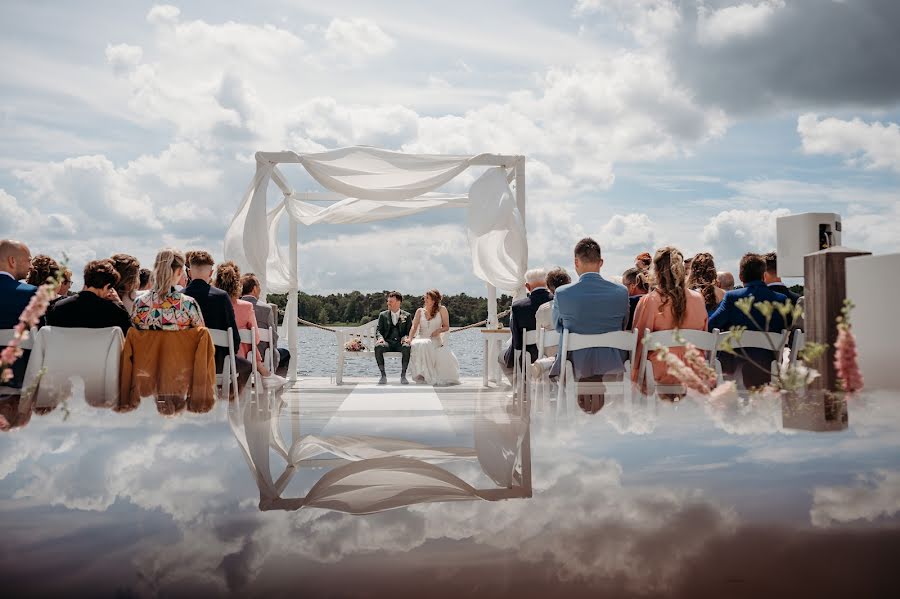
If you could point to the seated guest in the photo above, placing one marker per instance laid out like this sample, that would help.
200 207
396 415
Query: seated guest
774 281
702 277
637 284
162 308
642 261
727 315
671 305
523 317
129 270
144 280
217 309
544 320
15 262
45 269
266 317
590 305
90 308
725 281
228 279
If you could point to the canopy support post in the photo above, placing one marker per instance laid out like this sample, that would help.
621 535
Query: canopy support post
291 310
492 306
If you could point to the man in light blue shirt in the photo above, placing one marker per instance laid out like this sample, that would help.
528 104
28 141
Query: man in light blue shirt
590 305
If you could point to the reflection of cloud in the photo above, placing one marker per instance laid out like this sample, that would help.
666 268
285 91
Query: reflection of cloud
582 523
759 415
876 494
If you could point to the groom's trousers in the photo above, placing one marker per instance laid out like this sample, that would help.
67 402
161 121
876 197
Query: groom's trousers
390 346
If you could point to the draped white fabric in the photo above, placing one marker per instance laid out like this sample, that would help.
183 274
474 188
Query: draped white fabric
379 185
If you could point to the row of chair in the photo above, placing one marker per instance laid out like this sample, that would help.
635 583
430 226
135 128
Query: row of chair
627 341
226 381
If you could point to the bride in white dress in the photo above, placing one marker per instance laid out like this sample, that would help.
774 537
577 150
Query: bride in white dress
431 361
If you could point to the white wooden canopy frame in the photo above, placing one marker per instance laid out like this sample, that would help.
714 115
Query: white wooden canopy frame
369 184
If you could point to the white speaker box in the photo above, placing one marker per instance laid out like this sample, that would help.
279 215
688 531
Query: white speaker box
802 234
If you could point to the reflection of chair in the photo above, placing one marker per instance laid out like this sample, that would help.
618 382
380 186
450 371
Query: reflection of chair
371 474
702 340
6 337
93 355
621 340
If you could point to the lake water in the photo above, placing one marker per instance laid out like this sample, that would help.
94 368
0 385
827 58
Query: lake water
318 355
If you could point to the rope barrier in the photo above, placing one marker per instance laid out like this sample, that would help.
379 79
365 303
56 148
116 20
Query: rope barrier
468 326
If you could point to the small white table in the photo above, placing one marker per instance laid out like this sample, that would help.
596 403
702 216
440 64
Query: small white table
493 343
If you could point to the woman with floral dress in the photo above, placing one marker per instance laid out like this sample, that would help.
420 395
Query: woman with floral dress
162 308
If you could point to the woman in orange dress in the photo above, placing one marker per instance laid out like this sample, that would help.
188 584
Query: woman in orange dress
669 305
228 279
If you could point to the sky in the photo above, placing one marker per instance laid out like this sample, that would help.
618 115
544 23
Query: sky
131 126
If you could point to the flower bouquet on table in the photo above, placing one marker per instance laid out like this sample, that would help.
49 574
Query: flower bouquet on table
355 344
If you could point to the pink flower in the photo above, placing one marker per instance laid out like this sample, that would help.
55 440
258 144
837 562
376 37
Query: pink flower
29 318
4 423
845 360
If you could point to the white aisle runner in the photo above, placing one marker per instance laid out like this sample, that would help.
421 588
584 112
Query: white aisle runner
412 413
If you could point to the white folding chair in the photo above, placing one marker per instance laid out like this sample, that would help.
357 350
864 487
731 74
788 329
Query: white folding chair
702 340
798 344
228 376
6 337
249 336
547 338
270 357
761 340
621 340
522 360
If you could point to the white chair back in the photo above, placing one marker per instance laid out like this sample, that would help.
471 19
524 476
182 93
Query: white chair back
621 340
547 338
266 336
762 340
249 336
228 377
522 359
702 340
7 335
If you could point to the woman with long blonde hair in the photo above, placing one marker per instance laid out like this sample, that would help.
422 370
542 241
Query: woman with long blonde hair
163 308
431 362
670 305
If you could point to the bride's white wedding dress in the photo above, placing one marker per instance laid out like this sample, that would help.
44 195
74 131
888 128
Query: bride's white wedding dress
430 358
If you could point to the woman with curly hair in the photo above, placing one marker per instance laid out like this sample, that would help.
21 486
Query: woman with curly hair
228 279
702 278
44 268
670 305
129 270
431 361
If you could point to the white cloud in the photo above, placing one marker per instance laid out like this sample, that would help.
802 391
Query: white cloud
742 20
629 231
331 124
867 145
732 233
875 495
357 39
161 14
648 21
123 57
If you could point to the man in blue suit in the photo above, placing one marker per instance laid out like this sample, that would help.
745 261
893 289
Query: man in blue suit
590 305
727 315
523 316
15 262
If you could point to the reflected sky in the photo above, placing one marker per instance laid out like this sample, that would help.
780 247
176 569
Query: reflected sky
645 497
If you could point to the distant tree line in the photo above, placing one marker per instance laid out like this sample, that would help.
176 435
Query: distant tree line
354 308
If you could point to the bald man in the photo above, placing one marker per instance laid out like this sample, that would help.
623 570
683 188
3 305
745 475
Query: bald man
15 261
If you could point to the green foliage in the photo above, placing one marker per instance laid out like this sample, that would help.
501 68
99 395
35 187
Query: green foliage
357 308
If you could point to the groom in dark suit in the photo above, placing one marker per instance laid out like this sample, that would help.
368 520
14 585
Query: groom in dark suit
392 335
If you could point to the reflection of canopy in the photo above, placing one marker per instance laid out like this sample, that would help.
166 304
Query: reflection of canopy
375 473
369 184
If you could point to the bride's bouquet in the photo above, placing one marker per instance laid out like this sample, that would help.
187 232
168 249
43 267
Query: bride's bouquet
355 344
